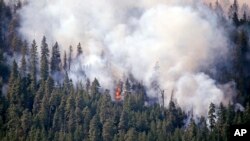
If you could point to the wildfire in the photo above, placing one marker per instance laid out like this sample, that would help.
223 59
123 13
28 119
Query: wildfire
118 92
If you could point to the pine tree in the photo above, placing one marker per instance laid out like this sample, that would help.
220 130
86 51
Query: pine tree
239 60
14 72
244 19
23 60
38 98
191 130
218 8
131 135
123 122
55 59
3 106
65 64
211 116
33 69
87 118
14 39
78 116
44 63
70 56
26 121
107 132
49 87
105 107
78 136
70 104
94 129
173 115
95 88
221 118
247 114
79 49
88 85
233 12
43 114
12 81
66 83
15 101
13 121
56 121
71 121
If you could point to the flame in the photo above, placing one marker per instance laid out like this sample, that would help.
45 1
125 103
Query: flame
118 93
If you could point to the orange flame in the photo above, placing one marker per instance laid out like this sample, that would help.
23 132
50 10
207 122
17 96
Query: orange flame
118 93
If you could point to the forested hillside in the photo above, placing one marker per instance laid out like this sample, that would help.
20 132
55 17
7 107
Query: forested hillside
40 102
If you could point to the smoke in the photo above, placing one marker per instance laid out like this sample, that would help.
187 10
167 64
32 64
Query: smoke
225 4
126 37
228 2
196 91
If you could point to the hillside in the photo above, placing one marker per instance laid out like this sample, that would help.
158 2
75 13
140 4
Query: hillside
123 71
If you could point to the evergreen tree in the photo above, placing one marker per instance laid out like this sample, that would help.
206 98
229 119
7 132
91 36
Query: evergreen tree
55 59
211 116
38 99
107 132
94 129
239 62
70 56
44 63
12 82
26 121
247 114
191 131
66 83
87 118
218 8
244 19
49 87
23 60
78 136
56 121
123 123
33 67
3 106
79 49
43 114
131 135
41 111
221 118
105 107
13 122
95 88
233 12
65 64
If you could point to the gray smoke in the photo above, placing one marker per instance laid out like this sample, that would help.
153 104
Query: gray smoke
129 37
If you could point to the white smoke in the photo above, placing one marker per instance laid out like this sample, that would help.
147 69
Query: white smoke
197 91
228 2
129 37
225 4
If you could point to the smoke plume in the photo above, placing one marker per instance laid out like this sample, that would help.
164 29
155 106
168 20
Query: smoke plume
126 37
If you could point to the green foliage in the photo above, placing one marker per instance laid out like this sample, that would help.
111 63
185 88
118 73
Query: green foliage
44 63
33 60
70 56
94 129
41 109
69 113
23 68
55 59
211 116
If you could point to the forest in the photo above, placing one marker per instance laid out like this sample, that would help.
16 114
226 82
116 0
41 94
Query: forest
35 106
